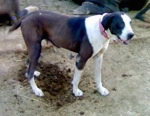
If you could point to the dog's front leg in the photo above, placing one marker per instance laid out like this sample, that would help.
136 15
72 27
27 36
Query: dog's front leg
97 71
75 82
80 63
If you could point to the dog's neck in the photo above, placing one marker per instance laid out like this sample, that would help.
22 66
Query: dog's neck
102 30
102 26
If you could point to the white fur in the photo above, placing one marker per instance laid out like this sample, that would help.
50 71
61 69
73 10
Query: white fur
37 73
75 82
127 29
31 9
99 44
97 71
97 40
35 89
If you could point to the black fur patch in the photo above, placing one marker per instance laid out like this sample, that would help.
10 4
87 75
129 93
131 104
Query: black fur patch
114 22
77 26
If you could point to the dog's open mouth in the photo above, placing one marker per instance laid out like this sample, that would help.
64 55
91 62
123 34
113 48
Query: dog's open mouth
126 42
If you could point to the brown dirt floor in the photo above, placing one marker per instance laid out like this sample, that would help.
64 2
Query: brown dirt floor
126 73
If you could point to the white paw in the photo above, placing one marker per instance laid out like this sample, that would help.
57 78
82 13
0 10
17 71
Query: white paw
38 92
78 92
103 91
37 73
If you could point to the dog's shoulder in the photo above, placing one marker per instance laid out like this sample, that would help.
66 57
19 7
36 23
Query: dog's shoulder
77 27
76 21
92 20
96 39
92 26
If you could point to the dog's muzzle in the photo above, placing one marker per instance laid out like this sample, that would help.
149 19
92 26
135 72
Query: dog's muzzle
129 37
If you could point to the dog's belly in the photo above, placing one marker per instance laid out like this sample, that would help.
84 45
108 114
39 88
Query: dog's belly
66 44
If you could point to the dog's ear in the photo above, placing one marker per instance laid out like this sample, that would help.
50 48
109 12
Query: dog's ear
106 21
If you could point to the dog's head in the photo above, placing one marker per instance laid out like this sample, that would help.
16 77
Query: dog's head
119 24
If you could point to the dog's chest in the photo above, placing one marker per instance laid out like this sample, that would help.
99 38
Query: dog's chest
98 42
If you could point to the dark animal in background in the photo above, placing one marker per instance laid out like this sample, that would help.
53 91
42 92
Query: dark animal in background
132 4
140 15
6 19
78 1
9 11
88 37
107 6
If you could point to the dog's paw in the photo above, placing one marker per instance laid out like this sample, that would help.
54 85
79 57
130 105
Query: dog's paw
37 73
38 92
78 93
103 91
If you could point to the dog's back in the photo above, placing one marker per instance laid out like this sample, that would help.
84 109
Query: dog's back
53 27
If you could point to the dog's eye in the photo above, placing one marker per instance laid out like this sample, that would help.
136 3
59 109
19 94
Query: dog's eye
120 24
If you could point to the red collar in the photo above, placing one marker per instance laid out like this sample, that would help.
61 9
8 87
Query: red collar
102 30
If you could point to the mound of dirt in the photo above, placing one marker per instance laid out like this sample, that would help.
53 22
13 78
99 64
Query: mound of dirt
54 82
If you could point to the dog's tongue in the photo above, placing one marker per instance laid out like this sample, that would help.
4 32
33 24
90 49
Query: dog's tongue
126 42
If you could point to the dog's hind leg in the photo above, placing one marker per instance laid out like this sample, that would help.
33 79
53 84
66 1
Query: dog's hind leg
34 50
36 73
97 71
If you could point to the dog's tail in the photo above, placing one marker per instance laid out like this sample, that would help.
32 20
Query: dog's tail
16 25
23 14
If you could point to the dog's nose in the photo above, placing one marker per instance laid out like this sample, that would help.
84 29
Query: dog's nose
130 35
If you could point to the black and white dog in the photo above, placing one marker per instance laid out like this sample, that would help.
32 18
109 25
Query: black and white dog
88 37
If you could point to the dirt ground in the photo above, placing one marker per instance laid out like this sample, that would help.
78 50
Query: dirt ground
126 73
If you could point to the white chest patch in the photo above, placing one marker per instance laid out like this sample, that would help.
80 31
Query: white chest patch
96 39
